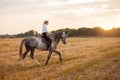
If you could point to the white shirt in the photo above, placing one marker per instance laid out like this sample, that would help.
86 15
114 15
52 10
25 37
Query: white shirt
44 28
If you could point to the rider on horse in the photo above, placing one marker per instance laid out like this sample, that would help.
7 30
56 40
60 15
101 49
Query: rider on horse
45 34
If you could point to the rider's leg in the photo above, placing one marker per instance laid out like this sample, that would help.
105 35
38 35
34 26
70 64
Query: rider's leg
49 41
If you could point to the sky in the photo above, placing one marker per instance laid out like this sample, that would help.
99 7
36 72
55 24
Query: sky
17 16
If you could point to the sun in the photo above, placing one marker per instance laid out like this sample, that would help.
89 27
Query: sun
106 27
109 25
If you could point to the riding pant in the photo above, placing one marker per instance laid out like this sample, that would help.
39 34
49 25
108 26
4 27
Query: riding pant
47 38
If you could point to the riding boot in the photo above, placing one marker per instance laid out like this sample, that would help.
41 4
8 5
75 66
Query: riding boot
48 45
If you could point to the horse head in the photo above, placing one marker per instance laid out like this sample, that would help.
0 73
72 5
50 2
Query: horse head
63 37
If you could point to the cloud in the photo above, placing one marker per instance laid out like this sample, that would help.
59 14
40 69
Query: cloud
55 7
60 12
8 7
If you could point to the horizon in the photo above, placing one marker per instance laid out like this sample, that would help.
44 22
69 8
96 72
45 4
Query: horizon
19 16
63 28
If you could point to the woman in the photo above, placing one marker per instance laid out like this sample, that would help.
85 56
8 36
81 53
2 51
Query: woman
45 34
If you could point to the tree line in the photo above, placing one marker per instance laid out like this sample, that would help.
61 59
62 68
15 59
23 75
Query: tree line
91 32
80 32
21 35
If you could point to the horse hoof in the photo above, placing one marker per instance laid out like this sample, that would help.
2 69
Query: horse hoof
38 64
46 64
19 59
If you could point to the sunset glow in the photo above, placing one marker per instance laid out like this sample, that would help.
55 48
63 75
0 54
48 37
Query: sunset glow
18 16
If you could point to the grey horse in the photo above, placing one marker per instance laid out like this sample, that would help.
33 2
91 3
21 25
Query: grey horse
39 43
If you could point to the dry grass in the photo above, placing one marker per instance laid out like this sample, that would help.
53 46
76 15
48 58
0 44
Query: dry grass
83 59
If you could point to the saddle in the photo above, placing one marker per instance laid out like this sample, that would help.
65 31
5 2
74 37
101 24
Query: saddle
47 41
43 40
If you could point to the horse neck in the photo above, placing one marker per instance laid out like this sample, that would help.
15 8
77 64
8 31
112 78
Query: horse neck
58 37
57 40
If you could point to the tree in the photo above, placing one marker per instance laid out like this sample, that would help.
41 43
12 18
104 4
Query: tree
29 33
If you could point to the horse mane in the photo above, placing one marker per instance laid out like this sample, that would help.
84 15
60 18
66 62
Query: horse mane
58 35
55 36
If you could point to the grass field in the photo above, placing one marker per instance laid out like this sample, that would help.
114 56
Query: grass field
83 59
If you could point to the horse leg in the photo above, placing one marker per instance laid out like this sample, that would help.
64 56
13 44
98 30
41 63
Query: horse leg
32 56
59 55
32 53
24 55
49 55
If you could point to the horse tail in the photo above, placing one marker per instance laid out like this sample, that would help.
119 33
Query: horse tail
20 48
